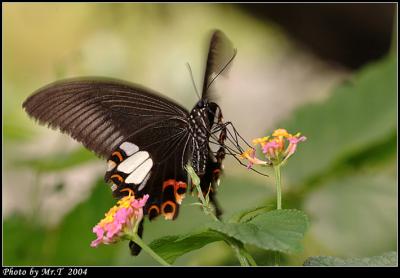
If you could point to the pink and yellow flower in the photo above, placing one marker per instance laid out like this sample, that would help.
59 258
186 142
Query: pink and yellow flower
262 141
276 148
272 148
250 155
281 132
293 141
120 220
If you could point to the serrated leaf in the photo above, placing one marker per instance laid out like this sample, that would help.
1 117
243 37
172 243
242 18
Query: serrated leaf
60 161
172 247
359 114
279 230
387 259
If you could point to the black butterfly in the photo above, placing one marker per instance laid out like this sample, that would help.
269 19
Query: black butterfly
146 138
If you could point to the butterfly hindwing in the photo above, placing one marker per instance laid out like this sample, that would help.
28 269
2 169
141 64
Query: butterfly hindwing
166 183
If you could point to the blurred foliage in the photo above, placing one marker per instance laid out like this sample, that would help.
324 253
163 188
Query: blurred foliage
27 243
57 161
344 176
360 183
359 115
387 259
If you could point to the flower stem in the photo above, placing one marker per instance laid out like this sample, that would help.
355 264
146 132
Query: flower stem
277 258
243 256
249 258
147 249
277 170
240 253
243 261
206 207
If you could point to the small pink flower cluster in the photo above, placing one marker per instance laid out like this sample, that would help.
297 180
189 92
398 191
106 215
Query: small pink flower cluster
120 220
276 149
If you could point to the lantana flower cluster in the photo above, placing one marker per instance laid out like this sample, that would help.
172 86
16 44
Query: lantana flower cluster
276 148
120 221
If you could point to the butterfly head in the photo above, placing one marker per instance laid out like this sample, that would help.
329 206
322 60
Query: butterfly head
202 103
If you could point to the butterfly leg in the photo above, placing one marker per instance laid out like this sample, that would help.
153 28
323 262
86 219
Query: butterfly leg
210 180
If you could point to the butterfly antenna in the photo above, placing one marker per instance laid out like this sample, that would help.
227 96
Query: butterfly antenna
194 83
222 70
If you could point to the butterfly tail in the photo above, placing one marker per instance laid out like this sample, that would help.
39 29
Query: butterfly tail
135 249
217 207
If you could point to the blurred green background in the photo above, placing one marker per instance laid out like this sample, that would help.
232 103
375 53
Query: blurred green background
342 97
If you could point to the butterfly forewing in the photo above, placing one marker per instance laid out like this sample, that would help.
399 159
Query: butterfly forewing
220 55
102 113
143 135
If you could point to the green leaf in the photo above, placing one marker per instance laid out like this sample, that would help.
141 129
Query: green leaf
387 259
57 162
244 215
359 114
279 230
172 247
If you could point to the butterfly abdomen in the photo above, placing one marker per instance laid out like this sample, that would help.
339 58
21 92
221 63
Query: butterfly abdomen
199 130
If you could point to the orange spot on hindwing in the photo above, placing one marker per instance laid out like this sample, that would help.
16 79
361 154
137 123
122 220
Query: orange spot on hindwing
117 179
130 191
167 183
180 190
118 155
169 210
169 206
172 195
153 212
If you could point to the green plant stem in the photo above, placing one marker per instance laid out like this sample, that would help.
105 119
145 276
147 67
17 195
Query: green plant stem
206 207
238 252
243 261
249 258
243 256
213 216
135 238
277 170
200 193
277 258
